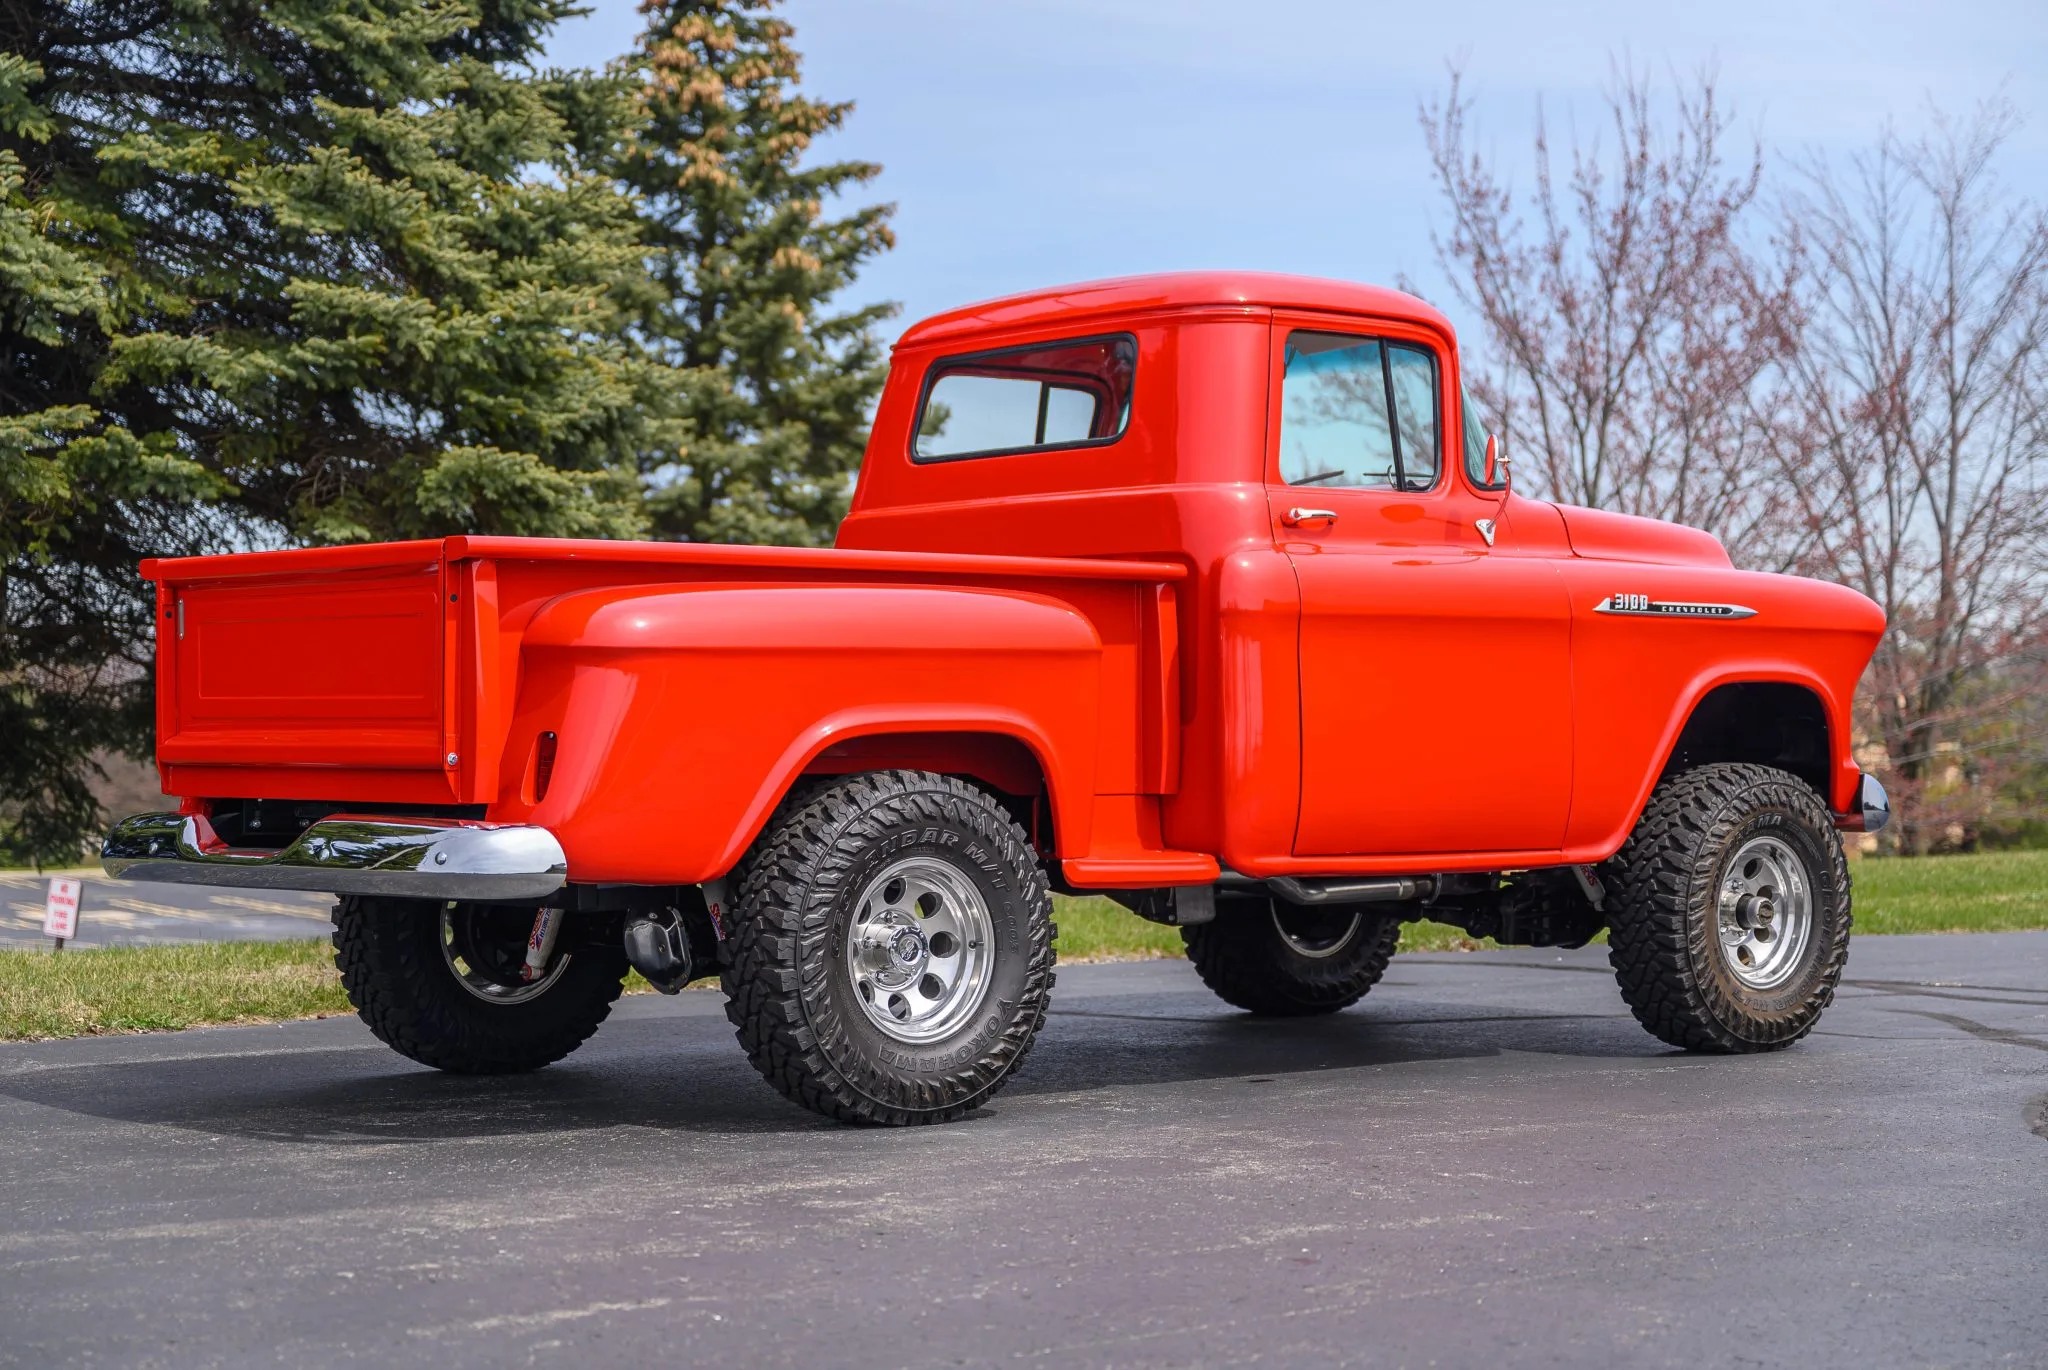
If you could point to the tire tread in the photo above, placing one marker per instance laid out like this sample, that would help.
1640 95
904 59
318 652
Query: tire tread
1655 929
1244 961
407 996
787 885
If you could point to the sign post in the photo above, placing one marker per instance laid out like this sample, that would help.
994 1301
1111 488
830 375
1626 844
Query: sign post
60 911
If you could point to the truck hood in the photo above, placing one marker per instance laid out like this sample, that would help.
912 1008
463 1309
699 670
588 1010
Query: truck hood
1605 536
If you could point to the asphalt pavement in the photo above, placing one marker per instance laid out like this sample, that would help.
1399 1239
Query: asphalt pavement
135 913
1486 1163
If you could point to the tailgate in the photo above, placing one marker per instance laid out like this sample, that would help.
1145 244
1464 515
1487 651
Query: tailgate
308 674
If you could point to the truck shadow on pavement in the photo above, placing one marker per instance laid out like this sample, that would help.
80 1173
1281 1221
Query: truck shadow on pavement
685 1073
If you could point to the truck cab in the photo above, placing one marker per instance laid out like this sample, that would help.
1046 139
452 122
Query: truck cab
1206 591
1469 686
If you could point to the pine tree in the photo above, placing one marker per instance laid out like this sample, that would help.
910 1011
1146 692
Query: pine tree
778 386
294 271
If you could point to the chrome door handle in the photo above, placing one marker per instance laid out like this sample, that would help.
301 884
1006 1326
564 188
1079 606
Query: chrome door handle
1297 518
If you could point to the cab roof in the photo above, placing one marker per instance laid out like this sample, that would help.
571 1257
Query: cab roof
1172 290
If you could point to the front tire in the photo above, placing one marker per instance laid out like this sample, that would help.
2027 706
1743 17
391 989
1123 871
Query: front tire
1278 960
1729 912
439 982
892 956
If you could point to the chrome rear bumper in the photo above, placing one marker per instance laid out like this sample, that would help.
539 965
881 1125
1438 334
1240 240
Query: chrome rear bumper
413 858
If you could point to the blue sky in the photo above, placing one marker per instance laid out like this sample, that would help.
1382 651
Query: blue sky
1038 141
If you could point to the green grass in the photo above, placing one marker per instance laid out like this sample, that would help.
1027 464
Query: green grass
1096 929
1985 892
142 989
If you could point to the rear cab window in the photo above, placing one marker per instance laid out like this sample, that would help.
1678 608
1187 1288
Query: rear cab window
1040 397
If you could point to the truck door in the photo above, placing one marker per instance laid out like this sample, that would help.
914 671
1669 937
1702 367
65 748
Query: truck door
1434 653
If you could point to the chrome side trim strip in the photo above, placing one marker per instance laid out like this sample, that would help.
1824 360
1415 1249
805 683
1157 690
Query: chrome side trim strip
417 858
1642 606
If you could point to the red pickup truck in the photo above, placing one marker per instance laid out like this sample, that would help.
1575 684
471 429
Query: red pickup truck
1205 592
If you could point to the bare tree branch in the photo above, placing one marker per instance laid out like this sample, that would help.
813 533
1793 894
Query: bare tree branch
1854 386
1923 463
1638 344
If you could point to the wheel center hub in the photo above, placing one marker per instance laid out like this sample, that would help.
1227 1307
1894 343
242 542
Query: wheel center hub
893 951
906 948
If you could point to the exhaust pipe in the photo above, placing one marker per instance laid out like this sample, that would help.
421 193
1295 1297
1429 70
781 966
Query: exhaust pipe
1393 889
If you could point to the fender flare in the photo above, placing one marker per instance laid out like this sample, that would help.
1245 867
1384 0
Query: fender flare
1756 672
1071 816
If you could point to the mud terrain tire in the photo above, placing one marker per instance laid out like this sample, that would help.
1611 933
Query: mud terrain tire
1673 891
393 966
877 866
1280 961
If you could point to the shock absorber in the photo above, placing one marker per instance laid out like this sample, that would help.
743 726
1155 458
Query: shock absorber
540 944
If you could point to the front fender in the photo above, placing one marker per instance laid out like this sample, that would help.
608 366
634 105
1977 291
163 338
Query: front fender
1636 680
684 714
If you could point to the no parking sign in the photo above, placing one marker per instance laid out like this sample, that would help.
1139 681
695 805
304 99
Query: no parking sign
60 910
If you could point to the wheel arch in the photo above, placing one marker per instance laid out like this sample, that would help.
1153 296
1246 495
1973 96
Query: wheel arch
1003 762
1001 752
1779 723
1773 714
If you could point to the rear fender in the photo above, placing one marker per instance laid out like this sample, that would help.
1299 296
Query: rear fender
683 716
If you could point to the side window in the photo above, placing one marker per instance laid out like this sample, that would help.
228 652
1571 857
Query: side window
1358 412
1333 413
1022 399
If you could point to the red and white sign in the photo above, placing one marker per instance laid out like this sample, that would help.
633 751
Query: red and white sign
60 909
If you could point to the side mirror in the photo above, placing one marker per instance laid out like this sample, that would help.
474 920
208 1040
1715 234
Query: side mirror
1497 473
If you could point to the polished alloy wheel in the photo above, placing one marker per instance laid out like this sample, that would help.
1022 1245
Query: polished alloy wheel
1765 913
1316 933
920 949
485 948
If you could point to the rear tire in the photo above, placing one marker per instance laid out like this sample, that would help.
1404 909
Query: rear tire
1722 852
1281 960
439 983
892 951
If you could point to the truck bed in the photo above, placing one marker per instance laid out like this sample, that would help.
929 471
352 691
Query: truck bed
389 674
